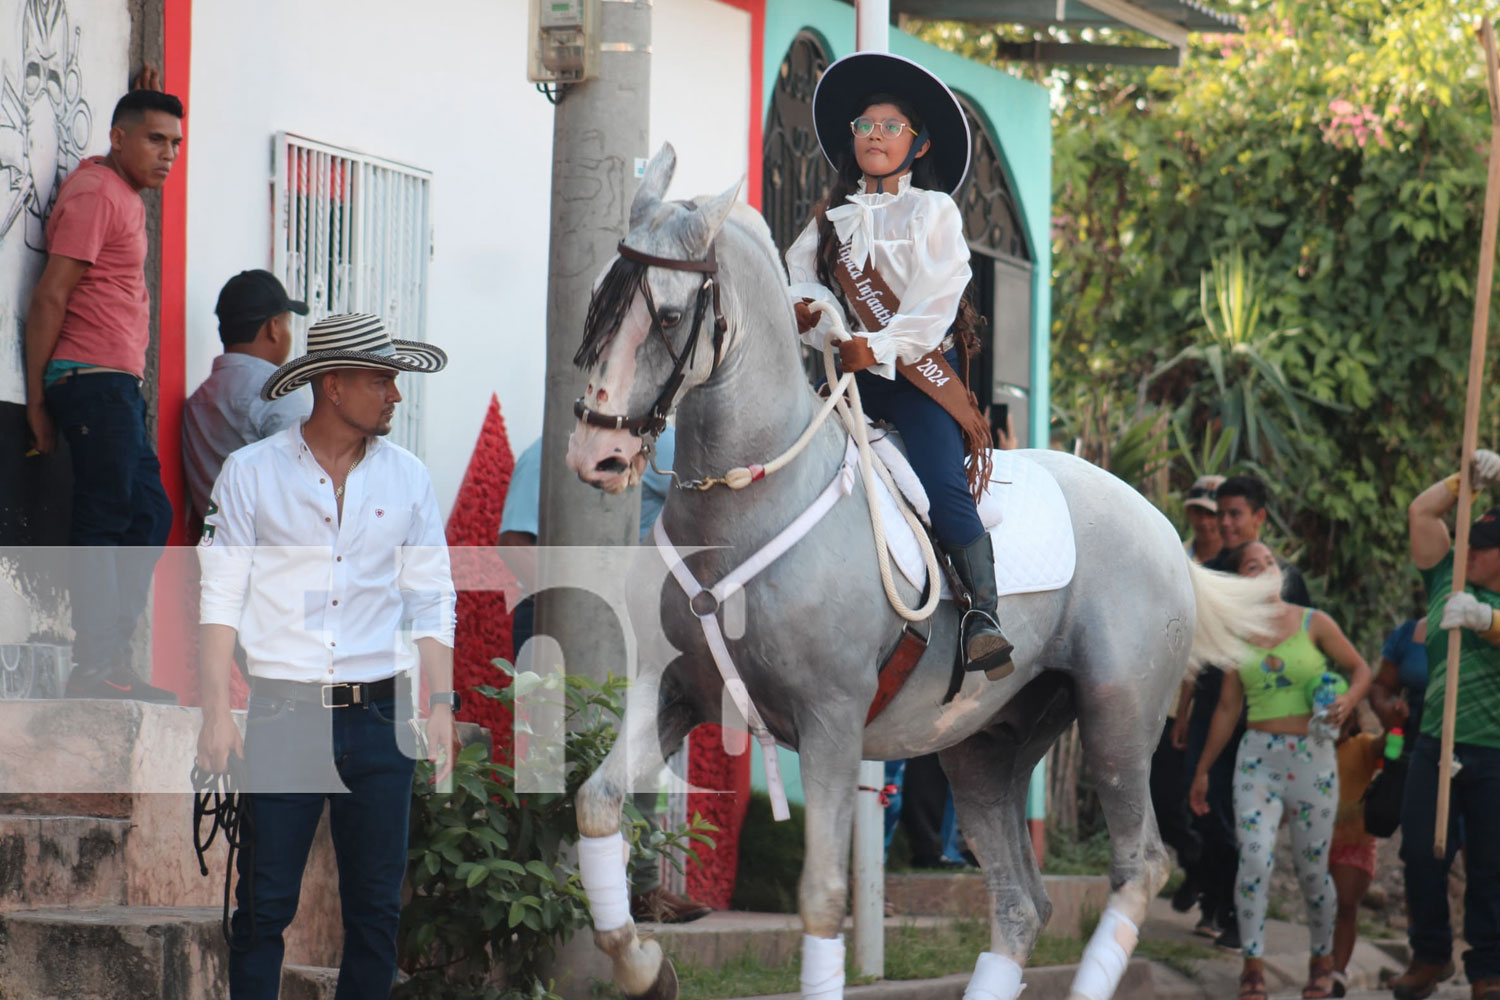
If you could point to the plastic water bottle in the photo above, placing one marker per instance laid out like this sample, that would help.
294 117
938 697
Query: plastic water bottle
1395 743
1324 690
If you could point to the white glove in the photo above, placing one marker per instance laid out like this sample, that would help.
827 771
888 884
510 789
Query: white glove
1484 469
1467 611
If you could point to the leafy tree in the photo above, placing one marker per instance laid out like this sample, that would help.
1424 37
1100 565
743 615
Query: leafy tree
1341 148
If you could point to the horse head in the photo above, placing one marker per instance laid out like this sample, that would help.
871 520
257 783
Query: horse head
655 329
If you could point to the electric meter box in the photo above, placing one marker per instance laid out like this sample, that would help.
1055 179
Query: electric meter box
564 41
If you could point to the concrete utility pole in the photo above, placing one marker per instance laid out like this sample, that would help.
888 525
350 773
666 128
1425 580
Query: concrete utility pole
872 29
599 134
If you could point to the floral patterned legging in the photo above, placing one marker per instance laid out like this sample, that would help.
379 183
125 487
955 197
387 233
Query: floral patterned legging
1298 773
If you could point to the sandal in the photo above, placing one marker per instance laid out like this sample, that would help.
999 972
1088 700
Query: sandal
1319 979
1253 985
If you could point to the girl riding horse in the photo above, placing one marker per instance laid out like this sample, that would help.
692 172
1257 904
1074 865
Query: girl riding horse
887 250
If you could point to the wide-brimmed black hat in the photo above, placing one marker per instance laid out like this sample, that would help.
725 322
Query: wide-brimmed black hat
849 81
352 340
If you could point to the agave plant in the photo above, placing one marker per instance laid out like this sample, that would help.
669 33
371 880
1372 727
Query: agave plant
1256 409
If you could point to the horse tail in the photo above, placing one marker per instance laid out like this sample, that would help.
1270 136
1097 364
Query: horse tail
1230 610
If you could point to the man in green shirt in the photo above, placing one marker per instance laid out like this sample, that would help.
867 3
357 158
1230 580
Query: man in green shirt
1475 792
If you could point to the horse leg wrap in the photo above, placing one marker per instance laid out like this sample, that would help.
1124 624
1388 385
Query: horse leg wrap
822 968
1105 957
996 977
601 863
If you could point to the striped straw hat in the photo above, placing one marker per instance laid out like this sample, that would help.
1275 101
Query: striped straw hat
351 340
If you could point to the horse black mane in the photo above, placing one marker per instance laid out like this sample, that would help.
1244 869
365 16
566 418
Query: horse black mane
607 309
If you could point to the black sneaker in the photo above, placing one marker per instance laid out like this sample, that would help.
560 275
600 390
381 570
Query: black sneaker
120 684
1208 927
1229 937
1185 896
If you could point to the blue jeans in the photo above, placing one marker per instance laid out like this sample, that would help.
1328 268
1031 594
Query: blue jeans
368 824
1474 804
934 447
121 514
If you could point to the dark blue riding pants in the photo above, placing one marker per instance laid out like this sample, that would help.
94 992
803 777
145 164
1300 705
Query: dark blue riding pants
934 447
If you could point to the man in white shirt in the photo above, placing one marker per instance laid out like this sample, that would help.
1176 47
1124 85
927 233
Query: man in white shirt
323 552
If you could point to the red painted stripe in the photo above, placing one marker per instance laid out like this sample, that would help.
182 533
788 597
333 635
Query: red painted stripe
709 766
172 625
757 11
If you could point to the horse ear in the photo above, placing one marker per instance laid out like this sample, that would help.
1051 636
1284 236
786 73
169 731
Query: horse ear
706 220
654 185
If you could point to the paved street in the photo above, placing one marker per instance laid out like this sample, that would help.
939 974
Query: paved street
1286 963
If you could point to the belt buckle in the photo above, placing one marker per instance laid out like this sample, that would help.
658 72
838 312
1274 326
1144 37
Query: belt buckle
327 688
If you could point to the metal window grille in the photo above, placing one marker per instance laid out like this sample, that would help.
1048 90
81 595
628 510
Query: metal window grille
353 233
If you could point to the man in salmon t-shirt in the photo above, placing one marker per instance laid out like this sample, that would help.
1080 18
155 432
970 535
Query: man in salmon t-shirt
86 336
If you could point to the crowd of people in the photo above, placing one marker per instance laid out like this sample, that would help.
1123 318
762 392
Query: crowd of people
1278 739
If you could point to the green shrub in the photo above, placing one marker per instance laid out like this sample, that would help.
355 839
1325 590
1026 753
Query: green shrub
494 889
770 859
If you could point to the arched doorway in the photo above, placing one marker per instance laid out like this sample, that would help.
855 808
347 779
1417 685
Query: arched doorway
795 175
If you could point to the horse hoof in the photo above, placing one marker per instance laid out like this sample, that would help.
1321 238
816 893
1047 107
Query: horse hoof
665 987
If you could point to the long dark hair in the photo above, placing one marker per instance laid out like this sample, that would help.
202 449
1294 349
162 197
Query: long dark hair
967 323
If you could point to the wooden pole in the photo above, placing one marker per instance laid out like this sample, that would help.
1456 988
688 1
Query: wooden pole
1477 343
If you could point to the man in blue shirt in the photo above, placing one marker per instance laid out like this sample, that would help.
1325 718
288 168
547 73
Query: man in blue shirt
226 412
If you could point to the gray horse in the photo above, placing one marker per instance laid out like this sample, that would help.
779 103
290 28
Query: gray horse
1107 650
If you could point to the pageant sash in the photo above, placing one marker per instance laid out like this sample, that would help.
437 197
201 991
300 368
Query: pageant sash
875 304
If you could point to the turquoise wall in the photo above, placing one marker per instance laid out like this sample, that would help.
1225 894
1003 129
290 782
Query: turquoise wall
1019 117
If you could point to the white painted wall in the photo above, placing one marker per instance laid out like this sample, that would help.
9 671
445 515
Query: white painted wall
80 46
700 92
441 87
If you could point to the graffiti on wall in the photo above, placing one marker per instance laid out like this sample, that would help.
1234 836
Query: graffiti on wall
62 63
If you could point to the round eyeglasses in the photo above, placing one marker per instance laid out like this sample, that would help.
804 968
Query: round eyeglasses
891 128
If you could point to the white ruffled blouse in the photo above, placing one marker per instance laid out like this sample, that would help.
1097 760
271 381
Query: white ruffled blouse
917 241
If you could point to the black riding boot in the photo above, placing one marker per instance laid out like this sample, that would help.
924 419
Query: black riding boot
984 645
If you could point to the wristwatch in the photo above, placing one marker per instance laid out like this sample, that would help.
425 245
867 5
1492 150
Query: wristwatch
449 698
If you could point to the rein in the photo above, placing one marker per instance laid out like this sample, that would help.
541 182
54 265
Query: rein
852 412
655 419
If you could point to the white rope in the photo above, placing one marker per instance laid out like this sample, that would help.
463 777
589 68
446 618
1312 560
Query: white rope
853 414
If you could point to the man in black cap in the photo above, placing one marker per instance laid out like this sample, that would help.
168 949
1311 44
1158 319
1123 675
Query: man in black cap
227 412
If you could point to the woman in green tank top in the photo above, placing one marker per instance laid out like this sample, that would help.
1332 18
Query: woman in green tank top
1279 767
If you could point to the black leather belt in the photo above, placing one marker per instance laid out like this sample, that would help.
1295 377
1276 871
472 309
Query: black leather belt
327 695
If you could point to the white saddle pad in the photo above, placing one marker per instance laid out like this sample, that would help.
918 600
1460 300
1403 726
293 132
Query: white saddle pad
1023 508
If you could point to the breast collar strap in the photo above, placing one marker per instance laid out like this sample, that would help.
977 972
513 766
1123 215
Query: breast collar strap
704 602
656 419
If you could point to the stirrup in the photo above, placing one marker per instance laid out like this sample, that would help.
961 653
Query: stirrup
996 662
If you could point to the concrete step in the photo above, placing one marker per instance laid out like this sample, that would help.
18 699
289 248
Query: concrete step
112 953
125 953
96 809
84 746
1077 900
72 861
1048 982
305 982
